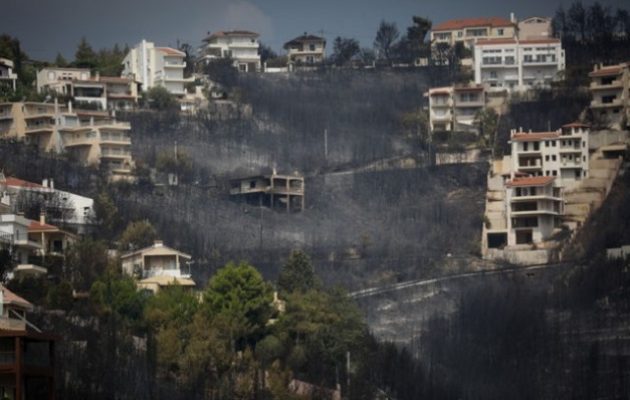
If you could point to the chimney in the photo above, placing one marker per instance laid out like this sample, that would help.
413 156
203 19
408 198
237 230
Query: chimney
512 18
97 76
52 183
42 218
158 243
70 107
45 182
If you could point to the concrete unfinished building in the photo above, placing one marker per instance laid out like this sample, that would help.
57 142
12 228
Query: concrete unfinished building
273 191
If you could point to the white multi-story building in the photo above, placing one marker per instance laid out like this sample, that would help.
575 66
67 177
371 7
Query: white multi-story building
562 154
156 66
7 76
518 65
240 46
454 108
525 203
610 88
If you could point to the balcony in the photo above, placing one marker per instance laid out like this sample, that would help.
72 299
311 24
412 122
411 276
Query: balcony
441 118
171 64
441 103
29 270
615 84
533 213
597 103
475 103
571 164
116 153
115 139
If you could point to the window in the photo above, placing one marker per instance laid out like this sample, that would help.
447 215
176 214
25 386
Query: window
493 74
528 58
536 145
553 143
553 158
500 31
555 173
525 146
311 47
547 158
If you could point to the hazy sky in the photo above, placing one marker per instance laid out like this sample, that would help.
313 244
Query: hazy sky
46 27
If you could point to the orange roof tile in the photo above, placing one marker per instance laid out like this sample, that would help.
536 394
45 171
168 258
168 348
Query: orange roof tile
16 182
36 226
534 136
8 297
606 71
474 88
530 181
171 51
576 125
472 23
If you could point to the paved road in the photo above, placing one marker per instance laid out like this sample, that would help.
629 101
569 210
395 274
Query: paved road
425 282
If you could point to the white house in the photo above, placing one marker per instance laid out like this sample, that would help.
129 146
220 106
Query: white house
610 89
470 30
517 65
76 210
156 66
14 235
7 76
306 49
238 45
157 266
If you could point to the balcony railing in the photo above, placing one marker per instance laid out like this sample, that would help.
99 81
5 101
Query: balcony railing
615 84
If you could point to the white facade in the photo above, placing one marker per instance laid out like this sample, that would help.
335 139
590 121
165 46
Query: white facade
240 46
562 154
454 108
610 89
14 232
158 266
156 66
7 76
534 209
306 49
518 65
59 80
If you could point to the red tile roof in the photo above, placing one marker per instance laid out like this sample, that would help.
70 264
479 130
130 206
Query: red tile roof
453 24
8 297
304 38
531 181
534 136
36 226
575 125
11 181
606 71
468 88
169 51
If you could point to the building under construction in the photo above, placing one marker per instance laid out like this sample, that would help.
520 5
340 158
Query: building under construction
275 191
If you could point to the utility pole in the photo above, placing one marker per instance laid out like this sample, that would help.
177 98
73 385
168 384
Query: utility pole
326 144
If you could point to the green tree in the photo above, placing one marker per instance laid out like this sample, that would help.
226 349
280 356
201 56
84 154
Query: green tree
487 122
137 234
344 50
118 294
85 57
60 61
159 98
386 36
297 274
106 215
86 260
179 163
238 294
